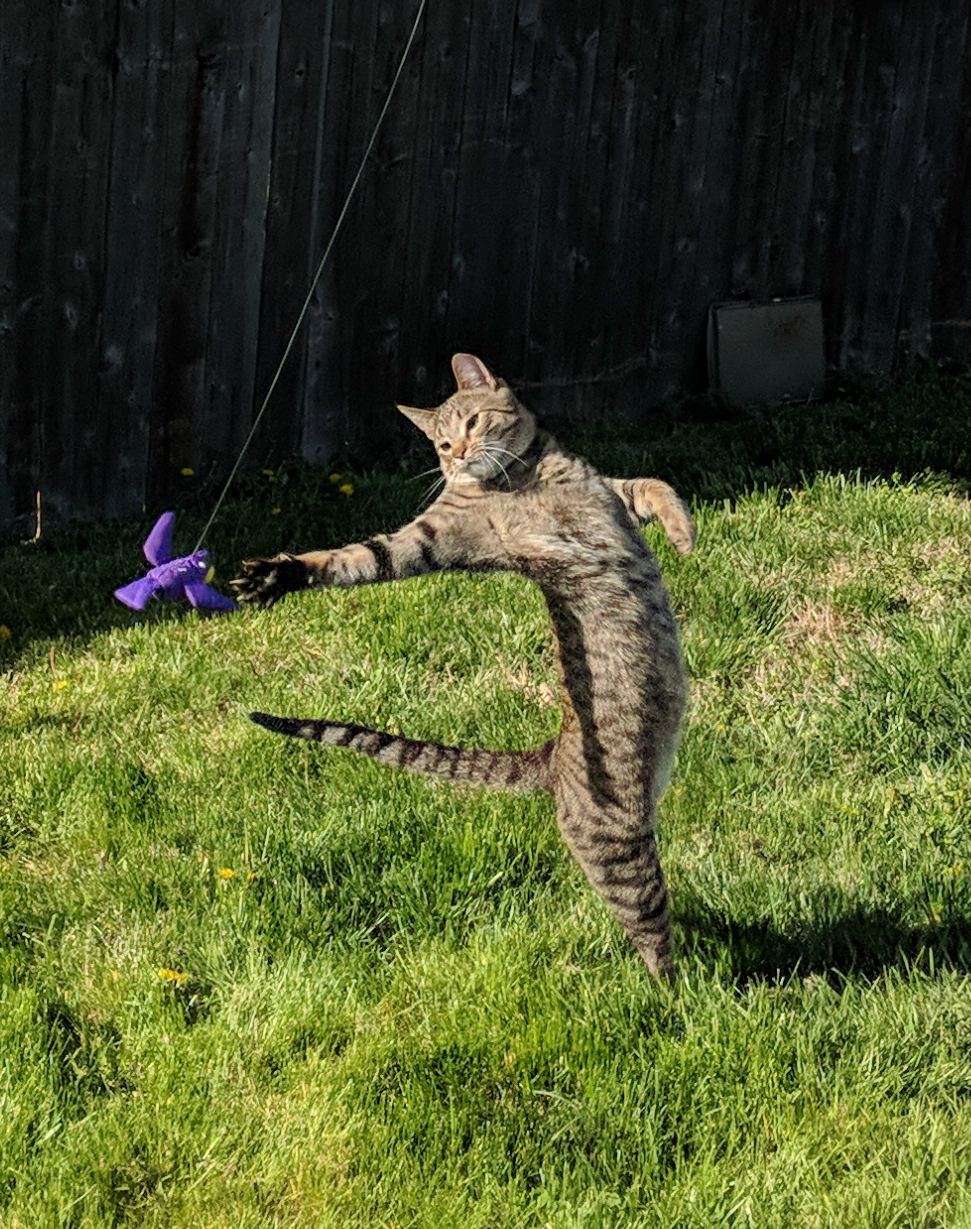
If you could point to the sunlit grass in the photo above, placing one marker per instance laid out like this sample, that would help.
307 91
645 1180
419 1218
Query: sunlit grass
247 983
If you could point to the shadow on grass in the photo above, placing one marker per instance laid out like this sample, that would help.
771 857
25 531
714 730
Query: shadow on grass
713 453
61 585
863 941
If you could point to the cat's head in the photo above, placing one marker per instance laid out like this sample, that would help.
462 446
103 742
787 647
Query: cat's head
481 429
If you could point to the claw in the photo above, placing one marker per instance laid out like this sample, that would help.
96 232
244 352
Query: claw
263 582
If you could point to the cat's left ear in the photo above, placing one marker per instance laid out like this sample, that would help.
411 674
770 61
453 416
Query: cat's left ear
424 420
471 372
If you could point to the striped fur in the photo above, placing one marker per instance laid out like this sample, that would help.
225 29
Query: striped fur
521 771
515 501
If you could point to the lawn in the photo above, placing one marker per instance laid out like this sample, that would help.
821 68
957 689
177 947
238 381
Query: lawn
248 983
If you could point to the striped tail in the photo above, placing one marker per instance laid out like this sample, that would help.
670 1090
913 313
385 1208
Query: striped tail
521 771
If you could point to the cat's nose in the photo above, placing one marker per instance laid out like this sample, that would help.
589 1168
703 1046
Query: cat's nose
459 448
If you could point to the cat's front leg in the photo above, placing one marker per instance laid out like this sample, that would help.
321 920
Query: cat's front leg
647 498
426 545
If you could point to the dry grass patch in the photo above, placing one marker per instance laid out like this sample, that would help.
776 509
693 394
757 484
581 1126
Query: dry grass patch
814 624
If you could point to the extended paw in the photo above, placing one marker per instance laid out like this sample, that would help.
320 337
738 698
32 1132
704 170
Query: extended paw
264 581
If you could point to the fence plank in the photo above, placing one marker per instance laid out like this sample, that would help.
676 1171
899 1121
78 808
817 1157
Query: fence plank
193 130
77 443
21 224
136 190
422 344
30 387
288 261
323 432
380 225
239 222
938 287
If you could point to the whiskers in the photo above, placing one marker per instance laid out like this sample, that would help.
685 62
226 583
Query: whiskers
493 452
496 457
431 491
434 487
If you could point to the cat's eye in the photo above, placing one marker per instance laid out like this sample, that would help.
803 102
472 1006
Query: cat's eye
444 446
470 425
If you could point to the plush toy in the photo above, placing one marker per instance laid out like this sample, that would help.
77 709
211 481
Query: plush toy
173 579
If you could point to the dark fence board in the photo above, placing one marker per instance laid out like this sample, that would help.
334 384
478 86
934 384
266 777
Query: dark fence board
245 160
518 195
193 132
381 221
290 220
21 205
951 276
76 443
565 188
446 48
135 192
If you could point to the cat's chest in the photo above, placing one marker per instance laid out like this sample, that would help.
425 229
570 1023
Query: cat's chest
546 538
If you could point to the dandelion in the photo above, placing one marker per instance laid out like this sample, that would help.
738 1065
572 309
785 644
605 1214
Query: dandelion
5 632
226 872
187 471
274 512
335 477
346 489
60 684
173 975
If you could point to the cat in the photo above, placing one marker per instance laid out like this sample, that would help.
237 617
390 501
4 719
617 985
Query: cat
514 500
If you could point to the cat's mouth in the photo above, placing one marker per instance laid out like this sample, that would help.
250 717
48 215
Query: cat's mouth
487 463
480 464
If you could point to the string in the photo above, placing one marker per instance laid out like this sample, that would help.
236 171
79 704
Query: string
316 278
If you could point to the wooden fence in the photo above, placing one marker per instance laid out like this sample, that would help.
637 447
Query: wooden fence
562 186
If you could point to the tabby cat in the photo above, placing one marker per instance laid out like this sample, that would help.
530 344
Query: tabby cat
514 500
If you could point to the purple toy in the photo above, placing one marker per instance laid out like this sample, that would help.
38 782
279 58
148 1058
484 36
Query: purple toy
174 579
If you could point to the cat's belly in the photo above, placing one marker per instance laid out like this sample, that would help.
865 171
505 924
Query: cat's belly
623 693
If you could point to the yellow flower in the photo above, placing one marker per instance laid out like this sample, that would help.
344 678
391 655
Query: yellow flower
274 512
187 472
5 632
346 489
336 477
268 473
173 975
226 872
60 684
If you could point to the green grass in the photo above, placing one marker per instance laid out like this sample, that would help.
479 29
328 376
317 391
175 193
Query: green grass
247 983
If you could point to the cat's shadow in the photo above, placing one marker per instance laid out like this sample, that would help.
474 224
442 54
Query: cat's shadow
862 941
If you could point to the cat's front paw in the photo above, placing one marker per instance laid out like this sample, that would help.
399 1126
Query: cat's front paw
264 581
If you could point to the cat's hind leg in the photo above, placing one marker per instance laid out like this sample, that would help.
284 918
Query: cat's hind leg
625 869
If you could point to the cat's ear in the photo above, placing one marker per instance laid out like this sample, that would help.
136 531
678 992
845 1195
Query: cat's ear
471 372
424 420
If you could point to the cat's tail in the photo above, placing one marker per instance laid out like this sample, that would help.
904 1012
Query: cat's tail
521 771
